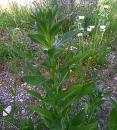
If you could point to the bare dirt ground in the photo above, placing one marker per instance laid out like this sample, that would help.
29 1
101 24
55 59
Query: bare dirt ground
7 80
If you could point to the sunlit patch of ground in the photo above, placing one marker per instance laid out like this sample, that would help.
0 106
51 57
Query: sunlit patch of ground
5 3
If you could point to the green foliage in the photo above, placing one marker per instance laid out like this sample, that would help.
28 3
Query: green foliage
112 119
20 14
55 112
47 27
63 64
15 16
6 19
4 53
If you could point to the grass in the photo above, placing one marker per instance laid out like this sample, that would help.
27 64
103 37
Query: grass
14 16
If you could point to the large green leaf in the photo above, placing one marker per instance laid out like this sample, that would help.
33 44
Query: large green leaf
76 92
43 112
79 118
55 28
42 27
37 95
77 58
39 38
69 36
77 89
34 93
52 15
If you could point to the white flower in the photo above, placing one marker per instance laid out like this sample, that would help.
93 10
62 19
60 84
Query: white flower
106 6
92 27
8 110
66 48
81 17
80 34
24 84
81 29
89 29
72 48
22 72
102 28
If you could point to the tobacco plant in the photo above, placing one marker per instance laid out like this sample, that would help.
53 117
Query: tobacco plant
64 82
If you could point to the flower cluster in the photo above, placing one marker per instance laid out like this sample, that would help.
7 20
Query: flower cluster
102 28
90 28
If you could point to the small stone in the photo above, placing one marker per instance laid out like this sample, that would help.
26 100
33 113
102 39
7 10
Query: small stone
8 110
115 78
23 111
21 100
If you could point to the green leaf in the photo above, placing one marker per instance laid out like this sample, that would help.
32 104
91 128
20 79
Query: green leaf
42 27
26 124
78 89
75 93
43 112
112 122
34 93
69 35
91 126
47 100
52 51
55 28
39 38
33 80
77 58
52 15
78 119
69 62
